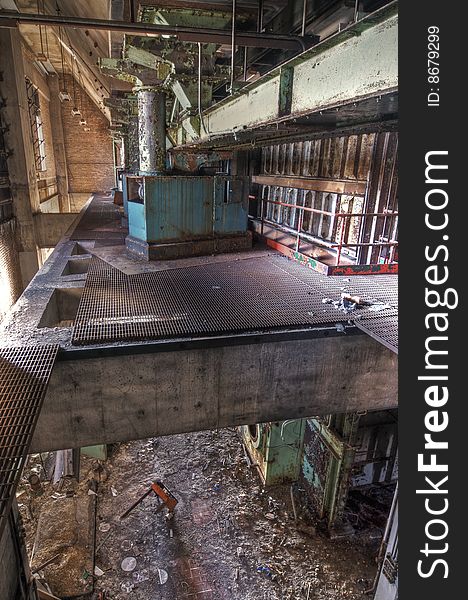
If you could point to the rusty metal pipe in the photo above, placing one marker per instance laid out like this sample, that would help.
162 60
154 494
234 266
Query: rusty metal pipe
200 112
304 17
250 39
328 213
152 130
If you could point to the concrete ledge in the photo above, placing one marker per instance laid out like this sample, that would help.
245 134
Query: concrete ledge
128 397
169 251
51 227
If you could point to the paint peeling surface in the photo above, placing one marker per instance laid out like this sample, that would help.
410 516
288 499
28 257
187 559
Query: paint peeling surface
358 65
258 105
366 64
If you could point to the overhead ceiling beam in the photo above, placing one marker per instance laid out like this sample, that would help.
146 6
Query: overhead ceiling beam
354 65
185 34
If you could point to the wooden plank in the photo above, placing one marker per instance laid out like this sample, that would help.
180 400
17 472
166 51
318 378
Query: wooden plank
335 186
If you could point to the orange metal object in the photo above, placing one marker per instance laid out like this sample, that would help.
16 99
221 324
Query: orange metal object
166 496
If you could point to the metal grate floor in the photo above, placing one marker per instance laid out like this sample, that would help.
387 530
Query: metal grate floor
384 330
101 222
229 297
24 375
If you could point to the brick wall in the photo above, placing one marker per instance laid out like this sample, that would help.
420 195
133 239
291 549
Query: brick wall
89 154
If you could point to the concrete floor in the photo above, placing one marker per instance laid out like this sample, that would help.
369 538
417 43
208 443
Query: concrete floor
225 527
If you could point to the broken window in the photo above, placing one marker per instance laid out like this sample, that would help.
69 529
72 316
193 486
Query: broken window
35 121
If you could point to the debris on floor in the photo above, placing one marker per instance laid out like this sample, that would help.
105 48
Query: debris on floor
228 538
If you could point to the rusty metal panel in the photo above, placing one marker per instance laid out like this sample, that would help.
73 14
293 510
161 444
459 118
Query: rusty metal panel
335 184
187 208
178 208
318 456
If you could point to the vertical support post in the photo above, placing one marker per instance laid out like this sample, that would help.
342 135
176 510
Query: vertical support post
18 140
260 16
340 245
356 10
199 90
299 227
304 17
58 142
152 130
262 214
233 43
131 145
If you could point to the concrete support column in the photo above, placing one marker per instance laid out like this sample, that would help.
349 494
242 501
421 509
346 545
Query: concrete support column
131 146
152 130
58 142
18 141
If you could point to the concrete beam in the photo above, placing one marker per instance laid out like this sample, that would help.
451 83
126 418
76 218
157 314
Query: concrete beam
353 65
51 227
120 398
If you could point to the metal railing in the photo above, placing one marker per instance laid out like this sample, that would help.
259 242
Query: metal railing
342 225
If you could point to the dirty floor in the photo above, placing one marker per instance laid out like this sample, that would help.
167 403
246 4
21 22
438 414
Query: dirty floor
229 538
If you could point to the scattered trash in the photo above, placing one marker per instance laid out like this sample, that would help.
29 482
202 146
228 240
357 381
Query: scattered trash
169 501
57 496
35 483
91 492
114 492
340 327
163 576
266 570
127 586
140 576
126 545
128 564
250 540
349 302
377 306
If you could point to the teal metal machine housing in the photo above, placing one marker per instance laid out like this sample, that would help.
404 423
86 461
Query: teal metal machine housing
276 449
170 216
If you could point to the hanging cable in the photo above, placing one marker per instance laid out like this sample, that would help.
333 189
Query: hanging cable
75 109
